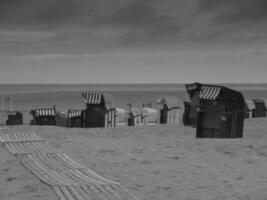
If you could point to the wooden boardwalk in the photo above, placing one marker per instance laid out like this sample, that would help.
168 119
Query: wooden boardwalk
69 179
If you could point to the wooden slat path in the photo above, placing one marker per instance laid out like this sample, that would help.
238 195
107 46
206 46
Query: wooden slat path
52 161
9 136
69 179
29 147
91 192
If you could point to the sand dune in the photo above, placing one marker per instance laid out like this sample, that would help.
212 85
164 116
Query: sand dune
155 162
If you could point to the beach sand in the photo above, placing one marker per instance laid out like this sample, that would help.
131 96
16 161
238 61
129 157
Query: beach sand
153 162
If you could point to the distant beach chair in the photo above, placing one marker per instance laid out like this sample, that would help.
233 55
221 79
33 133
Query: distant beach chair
44 116
116 117
99 108
75 118
260 108
48 117
14 118
170 110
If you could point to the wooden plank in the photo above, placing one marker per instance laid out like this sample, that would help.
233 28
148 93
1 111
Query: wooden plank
69 160
90 193
94 175
41 176
62 179
67 193
50 163
18 137
70 177
83 193
87 179
56 163
81 180
104 193
39 172
112 192
18 148
10 148
9 137
45 163
124 192
59 193
74 192
25 140
32 146
98 192
41 146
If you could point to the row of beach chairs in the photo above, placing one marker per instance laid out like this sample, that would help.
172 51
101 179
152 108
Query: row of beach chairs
100 111
211 109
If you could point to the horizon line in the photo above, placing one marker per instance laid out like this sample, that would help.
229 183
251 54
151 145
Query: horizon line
132 83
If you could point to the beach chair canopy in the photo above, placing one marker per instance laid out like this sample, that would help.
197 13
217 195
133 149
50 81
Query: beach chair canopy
95 98
250 104
192 88
74 113
43 112
260 108
170 101
213 92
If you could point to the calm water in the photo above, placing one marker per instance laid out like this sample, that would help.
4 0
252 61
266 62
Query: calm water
27 97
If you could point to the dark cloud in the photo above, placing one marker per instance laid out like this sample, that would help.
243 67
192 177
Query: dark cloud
115 13
235 10
49 11
143 22
111 24
137 13
131 13
134 20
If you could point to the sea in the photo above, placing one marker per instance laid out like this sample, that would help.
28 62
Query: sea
26 97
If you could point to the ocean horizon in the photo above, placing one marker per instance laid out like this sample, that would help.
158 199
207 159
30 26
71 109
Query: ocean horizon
106 87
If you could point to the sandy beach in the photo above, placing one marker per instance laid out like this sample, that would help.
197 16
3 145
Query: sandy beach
102 63
153 162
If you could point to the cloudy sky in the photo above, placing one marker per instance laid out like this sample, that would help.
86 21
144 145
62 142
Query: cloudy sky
133 41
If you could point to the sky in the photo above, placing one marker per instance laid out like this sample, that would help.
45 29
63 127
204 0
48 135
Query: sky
133 41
